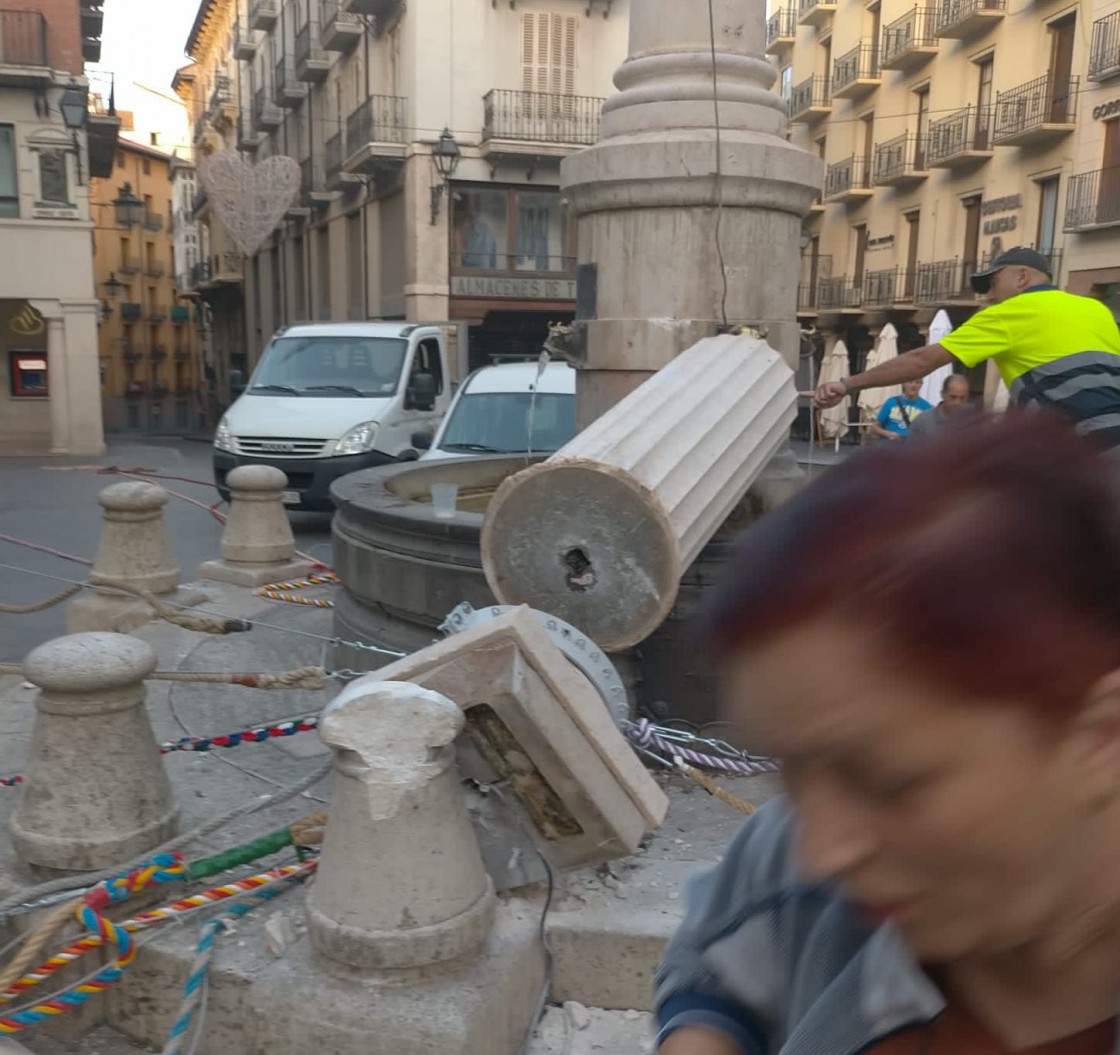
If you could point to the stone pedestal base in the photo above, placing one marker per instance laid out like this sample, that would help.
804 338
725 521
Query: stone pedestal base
122 613
244 574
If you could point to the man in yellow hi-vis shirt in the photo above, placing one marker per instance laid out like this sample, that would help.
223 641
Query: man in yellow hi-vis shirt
1052 348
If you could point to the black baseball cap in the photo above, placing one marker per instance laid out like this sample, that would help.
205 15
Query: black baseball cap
1017 256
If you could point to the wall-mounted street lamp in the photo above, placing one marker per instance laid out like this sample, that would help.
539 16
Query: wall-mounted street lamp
445 159
113 286
129 208
74 112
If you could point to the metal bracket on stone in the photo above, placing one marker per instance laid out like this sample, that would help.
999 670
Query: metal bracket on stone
591 661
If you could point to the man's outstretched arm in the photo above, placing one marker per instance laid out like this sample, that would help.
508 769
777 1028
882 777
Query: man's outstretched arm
910 366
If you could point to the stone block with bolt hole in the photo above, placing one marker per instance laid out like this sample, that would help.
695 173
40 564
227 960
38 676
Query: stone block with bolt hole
539 730
95 791
258 546
400 883
134 550
600 533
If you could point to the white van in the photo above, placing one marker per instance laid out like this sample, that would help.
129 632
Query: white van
328 398
491 412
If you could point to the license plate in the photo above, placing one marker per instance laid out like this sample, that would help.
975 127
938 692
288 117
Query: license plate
289 498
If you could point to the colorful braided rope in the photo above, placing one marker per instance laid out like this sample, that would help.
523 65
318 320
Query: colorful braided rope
145 921
164 868
280 591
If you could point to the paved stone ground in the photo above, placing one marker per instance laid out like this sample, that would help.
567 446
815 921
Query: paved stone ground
605 925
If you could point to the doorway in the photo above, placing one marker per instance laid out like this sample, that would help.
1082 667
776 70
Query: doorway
1108 194
971 239
1062 38
913 224
986 70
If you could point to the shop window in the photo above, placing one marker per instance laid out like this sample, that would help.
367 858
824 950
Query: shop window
9 197
540 230
508 229
28 375
480 229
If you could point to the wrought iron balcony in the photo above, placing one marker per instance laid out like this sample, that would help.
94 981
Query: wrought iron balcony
781 30
154 269
131 312
129 266
856 72
313 188
180 314
899 162
839 294
815 12
960 140
157 313
246 41
334 154
944 281
266 114
1039 111
130 353
375 133
288 89
340 30
1093 200
540 117
809 101
963 19
312 61
909 42
153 221
263 14
889 286
381 9
23 43
848 180
1104 51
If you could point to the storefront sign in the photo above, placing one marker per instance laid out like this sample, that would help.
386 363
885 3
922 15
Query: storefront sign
1106 110
519 288
883 242
1011 203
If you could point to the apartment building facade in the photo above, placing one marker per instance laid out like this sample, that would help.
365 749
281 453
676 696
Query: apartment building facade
947 130
54 134
429 137
150 368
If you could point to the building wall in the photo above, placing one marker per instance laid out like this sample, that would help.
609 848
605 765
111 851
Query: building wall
1008 180
147 345
369 247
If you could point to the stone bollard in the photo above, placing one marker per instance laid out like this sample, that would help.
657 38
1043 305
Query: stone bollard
257 544
135 550
96 791
401 882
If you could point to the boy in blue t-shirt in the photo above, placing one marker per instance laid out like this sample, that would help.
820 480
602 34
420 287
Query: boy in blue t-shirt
898 412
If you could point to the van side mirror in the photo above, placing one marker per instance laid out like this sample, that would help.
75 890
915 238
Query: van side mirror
422 441
236 383
421 392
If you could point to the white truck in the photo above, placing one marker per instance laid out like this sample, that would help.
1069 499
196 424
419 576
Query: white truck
328 398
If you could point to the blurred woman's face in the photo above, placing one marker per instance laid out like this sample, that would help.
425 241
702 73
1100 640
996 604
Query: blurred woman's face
961 822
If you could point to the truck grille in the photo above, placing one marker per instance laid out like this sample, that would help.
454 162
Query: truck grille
280 447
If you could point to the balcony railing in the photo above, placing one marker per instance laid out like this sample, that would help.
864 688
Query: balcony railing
153 221
809 97
959 19
1104 51
312 62
541 117
1093 200
131 312
847 177
157 352
889 286
855 69
1032 110
154 269
23 38
266 114
944 280
312 178
838 294
964 134
815 12
129 266
130 353
909 41
340 30
899 160
157 313
380 119
289 90
781 28
245 42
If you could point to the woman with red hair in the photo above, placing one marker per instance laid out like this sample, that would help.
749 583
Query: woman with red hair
929 637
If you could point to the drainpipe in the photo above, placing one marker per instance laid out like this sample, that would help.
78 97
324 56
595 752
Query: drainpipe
369 191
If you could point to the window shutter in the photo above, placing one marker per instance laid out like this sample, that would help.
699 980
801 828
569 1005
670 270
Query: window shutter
548 53
569 78
528 52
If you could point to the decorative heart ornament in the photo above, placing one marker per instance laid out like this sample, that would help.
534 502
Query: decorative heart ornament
249 200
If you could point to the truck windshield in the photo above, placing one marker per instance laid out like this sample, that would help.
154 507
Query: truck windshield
487 422
330 366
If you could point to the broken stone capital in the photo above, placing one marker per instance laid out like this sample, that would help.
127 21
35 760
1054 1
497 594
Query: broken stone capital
257 542
96 791
401 882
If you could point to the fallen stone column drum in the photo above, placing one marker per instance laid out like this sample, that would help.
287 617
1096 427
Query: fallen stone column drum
601 532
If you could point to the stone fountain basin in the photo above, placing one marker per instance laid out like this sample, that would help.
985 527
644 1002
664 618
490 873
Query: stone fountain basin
403 570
